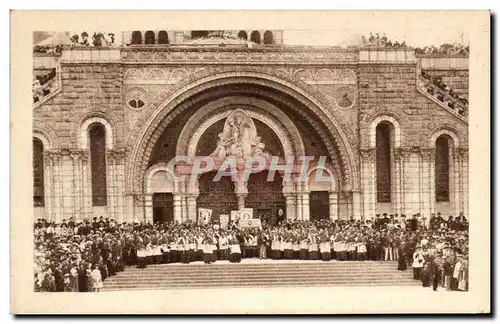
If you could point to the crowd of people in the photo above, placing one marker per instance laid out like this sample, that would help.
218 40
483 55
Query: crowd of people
438 82
80 255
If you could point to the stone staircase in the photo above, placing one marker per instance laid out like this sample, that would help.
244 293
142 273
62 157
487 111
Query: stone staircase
267 273
440 97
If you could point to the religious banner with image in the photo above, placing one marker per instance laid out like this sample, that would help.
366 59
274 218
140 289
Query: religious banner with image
223 220
246 214
235 215
204 215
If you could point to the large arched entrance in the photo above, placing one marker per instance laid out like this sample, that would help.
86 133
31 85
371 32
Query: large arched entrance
288 122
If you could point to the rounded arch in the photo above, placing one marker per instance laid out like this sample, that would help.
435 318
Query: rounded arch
84 137
453 134
162 37
159 167
259 109
243 35
136 37
149 38
44 138
389 119
328 170
294 88
268 37
255 36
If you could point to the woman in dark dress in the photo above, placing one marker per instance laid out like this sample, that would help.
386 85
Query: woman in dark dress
402 264
426 276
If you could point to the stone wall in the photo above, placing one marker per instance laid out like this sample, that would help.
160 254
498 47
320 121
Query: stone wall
94 88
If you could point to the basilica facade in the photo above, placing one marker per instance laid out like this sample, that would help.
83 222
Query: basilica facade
108 121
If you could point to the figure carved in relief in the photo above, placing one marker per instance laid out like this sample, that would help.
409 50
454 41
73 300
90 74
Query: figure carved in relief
239 138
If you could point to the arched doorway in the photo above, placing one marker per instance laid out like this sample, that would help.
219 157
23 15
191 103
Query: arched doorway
163 207
266 197
158 139
162 188
216 195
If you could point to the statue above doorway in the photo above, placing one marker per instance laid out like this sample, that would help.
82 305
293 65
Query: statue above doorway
239 138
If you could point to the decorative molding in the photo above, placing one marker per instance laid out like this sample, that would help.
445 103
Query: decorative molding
218 55
336 128
136 94
173 75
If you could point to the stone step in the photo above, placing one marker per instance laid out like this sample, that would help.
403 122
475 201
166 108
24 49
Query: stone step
250 278
254 273
260 285
260 274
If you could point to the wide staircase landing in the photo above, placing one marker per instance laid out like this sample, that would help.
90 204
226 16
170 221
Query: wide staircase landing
265 273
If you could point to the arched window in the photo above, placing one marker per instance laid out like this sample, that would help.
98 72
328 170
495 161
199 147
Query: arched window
149 37
442 169
243 35
38 183
97 135
162 37
136 37
383 161
268 37
255 37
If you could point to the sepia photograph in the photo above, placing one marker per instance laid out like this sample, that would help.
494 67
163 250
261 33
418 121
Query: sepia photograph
251 159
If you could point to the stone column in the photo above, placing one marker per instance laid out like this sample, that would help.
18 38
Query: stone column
240 189
334 208
356 204
191 207
77 187
299 198
241 201
305 206
428 154
369 181
397 181
192 193
58 194
177 208
432 180
148 207
48 181
86 185
129 208
456 192
290 206
110 186
465 181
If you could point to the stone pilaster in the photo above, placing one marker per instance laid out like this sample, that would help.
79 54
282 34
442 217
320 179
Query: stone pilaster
334 207
290 205
48 180
428 155
298 194
398 184
148 207
178 208
456 179
465 181
368 182
356 205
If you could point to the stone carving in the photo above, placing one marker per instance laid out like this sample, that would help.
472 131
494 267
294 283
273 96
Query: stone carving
239 138
136 98
133 74
239 55
345 98
155 74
